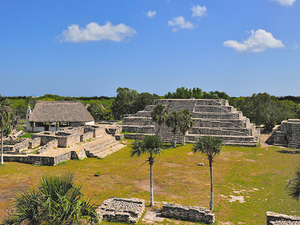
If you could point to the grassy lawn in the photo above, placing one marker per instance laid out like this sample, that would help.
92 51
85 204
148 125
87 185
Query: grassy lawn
255 176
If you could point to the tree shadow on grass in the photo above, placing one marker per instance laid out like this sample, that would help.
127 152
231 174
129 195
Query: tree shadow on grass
289 151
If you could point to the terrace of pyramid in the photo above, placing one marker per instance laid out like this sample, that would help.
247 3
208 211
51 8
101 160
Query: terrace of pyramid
214 117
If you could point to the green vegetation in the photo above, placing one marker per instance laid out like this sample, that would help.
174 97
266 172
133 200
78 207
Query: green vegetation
57 200
263 108
293 186
186 122
97 174
257 175
129 101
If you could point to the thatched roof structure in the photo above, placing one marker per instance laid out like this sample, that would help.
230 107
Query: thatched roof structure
60 111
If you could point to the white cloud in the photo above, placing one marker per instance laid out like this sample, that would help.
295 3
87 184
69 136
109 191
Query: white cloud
198 10
94 32
181 23
258 41
151 14
286 2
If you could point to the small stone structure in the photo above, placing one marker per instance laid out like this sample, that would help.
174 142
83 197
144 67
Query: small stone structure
214 117
65 144
281 219
188 213
287 134
121 210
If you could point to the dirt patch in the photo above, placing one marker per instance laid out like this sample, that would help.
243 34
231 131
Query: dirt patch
226 223
263 139
145 185
152 217
172 164
190 153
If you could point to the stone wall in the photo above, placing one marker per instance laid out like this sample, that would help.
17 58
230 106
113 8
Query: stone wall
17 146
287 134
50 145
188 213
34 142
128 210
276 218
86 136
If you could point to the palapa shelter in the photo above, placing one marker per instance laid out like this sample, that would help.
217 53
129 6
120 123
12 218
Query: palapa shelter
52 115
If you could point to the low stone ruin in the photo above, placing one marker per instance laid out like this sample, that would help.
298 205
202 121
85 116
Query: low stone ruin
281 219
128 210
51 148
214 117
188 213
287 134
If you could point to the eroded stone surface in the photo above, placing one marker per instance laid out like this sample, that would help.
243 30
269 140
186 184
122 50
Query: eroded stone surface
121 210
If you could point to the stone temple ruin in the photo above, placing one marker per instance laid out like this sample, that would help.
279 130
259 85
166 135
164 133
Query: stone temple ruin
287 134
214 117
53 147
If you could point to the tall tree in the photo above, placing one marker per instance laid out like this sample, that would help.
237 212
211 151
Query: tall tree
209 146
150 145
293 186
186 121
124 102
5 114
173 122
159 115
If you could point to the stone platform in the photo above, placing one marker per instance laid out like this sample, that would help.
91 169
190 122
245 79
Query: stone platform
214 117
128 210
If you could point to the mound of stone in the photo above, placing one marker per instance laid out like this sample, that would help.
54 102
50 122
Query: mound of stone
128 210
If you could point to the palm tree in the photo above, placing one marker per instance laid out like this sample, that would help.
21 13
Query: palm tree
173 122
5 114
293 186
150 145
57 200
186 121
158 115
210 146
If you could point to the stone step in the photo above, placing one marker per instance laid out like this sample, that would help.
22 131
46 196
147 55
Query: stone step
236 115
107 152
138 128
229 123
102 148
214 108
142 121
227 139
220 131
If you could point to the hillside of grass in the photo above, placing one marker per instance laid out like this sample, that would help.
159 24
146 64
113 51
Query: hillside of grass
247 181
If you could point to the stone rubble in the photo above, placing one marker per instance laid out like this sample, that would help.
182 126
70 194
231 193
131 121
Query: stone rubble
121 210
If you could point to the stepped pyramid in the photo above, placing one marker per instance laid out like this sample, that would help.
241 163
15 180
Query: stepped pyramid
214 117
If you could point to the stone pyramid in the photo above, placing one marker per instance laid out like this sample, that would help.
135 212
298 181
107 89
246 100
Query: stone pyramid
214 117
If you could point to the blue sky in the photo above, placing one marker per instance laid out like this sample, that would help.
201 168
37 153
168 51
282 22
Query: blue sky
92 47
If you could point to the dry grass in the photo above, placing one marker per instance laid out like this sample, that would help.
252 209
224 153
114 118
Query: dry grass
258 175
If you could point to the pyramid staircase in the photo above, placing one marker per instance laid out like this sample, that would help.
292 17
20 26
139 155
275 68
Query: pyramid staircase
101 147
214 117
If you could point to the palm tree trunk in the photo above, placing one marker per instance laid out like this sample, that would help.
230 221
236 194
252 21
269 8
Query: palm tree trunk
2 143
160 133
211 204
175 141
151 185
184 139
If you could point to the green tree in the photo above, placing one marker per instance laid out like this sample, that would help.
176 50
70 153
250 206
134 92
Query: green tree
209 146
143 99
159 115
5 115
186 121
173 122
57 200
124 102
293 186
150 145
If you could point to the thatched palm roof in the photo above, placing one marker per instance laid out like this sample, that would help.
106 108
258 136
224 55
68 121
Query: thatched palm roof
60 111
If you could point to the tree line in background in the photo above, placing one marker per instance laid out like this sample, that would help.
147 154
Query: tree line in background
260 108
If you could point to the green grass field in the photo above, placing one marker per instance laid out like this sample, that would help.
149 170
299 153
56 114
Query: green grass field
254 177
